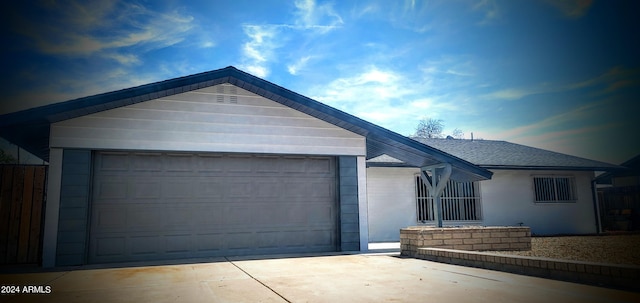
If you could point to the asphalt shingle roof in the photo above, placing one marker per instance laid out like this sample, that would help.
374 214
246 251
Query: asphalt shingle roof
507 155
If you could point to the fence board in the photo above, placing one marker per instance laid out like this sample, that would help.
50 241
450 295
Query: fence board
5 209
14 217
25 217
35 242
22 196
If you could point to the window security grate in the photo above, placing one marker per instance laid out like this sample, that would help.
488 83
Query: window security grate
460 202
554 189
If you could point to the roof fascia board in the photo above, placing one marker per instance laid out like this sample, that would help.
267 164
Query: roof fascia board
573 168
70 109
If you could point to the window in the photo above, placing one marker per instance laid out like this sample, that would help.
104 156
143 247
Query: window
460 202
554 189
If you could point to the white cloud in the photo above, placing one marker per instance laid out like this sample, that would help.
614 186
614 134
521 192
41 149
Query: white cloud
385 96
265 39
298 65
71 29
207 44
259 49
124 59
318 17
370 8
490 9
511 94
576 116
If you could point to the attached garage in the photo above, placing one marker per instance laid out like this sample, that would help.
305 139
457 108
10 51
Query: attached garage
150 206
220 163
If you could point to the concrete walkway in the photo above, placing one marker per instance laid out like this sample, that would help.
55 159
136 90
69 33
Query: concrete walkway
337 278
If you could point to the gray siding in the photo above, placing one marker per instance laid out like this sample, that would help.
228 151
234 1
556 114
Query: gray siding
221 118
74 207
348 188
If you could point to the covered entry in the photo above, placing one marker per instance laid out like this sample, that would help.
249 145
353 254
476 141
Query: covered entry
150 206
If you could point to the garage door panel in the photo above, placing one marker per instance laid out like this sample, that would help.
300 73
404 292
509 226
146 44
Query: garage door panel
113 162
293 165
152 206
147 163
323 237
178 163
212 188
320 190
267 189
207 217
294 238
144 218
178 189
321 166
319 214
179 218
146 190
210 242
236 164
240 240
106 247
268 239
237 188
111 190
178 243
145 245
110 219
209 163
267 165
237 215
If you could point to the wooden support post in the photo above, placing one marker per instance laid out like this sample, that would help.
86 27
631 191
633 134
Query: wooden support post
440 174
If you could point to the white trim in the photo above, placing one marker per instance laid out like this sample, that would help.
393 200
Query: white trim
54 181
363 207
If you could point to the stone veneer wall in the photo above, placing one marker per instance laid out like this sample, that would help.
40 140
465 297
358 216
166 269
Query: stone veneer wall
476 238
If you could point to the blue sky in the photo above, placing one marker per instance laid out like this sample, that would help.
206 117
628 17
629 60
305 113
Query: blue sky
560 75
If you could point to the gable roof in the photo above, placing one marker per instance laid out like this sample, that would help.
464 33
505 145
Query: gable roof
633 169
492 154
29 128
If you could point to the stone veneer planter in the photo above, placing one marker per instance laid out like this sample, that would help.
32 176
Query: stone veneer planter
477 238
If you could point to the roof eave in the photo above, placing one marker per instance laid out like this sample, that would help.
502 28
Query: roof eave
566 168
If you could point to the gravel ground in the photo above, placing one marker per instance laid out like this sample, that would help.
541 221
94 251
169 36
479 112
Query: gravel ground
615 249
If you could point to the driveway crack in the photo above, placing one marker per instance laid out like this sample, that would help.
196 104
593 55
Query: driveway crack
257 280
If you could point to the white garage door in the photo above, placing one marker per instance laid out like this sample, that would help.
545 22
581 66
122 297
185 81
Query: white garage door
153 206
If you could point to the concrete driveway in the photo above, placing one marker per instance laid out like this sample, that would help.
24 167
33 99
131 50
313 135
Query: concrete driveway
335 278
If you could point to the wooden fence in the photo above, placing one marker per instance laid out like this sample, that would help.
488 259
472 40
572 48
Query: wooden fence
22 201
620 208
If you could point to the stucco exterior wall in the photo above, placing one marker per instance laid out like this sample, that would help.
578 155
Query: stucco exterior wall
508 199
391 202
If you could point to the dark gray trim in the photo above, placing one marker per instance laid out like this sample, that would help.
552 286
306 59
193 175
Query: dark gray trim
74 207
525 167
348 201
